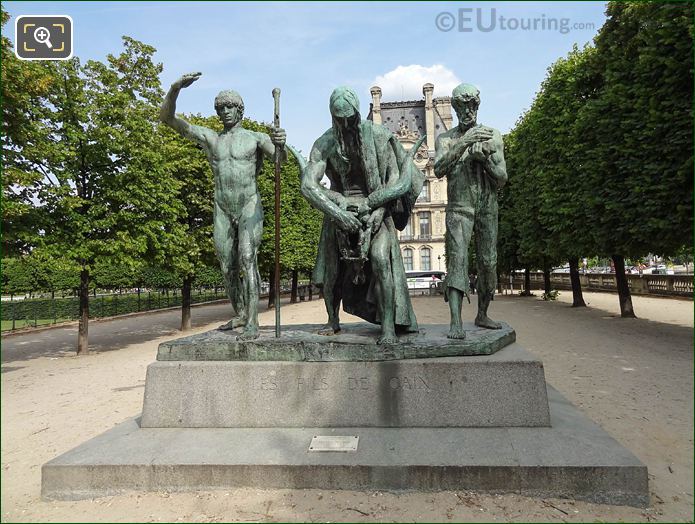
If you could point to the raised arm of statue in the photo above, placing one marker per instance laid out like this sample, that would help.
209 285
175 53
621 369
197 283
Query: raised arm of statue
167 114
317 195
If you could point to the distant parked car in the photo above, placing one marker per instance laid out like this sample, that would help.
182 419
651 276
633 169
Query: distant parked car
659 270
598 269
423 279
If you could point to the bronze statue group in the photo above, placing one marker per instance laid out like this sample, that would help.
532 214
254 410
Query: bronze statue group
374 183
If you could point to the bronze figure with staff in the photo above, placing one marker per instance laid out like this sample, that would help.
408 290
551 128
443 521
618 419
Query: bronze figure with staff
235 155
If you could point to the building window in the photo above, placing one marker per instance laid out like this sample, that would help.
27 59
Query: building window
408 259
407 233
425 224
425 193
425 259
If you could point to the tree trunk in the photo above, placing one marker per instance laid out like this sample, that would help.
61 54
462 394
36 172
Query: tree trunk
83 329
577 297
547 286
624 296
271 292
186 303
295 279
527 283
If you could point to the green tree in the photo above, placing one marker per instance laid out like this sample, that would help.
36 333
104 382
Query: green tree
637 127
508 246
61 275
192 256
300 224
104 196
527 184
156 277
602 161
114 276
194 250
25 86
558 152
18 276
209 276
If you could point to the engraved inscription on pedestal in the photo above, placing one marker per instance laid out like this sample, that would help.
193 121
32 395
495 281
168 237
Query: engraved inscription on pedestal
505 389
408 383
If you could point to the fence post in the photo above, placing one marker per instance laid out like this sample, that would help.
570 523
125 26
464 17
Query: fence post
115 304
138 300
55 310
149 300
36 320
14 311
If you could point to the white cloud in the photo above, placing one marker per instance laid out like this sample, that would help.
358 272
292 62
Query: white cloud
405 82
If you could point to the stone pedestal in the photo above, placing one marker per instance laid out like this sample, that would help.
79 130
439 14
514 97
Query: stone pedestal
574 458
503 390
355 343
227 415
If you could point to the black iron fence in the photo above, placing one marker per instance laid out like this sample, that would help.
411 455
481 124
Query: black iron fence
33 312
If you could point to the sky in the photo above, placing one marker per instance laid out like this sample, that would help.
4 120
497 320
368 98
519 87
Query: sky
309 48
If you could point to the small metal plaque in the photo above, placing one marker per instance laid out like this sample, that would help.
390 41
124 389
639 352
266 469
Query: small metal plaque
334 443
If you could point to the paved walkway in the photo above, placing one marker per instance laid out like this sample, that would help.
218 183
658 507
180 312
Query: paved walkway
632 376
108 335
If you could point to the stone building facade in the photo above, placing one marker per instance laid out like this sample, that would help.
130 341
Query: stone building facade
422 242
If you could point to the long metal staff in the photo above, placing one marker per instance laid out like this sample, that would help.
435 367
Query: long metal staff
276 123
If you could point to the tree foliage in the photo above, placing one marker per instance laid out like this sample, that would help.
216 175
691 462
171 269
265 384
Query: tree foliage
25 88
602 162
300 224
84 173
638 130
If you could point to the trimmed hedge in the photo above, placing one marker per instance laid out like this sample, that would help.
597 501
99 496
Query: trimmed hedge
68 308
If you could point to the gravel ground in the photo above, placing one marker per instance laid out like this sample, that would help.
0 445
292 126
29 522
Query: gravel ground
632 376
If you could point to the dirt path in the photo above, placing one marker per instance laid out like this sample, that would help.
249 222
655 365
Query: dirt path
634 377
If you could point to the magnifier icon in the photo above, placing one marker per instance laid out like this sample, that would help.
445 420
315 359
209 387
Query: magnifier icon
42 35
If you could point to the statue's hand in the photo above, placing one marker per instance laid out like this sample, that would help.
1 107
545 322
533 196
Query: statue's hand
477 134
186 80
347 221
477 152
362 208
375 220
278 137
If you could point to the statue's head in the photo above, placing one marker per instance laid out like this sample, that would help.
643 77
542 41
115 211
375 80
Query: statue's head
229 107
345 108
465 99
